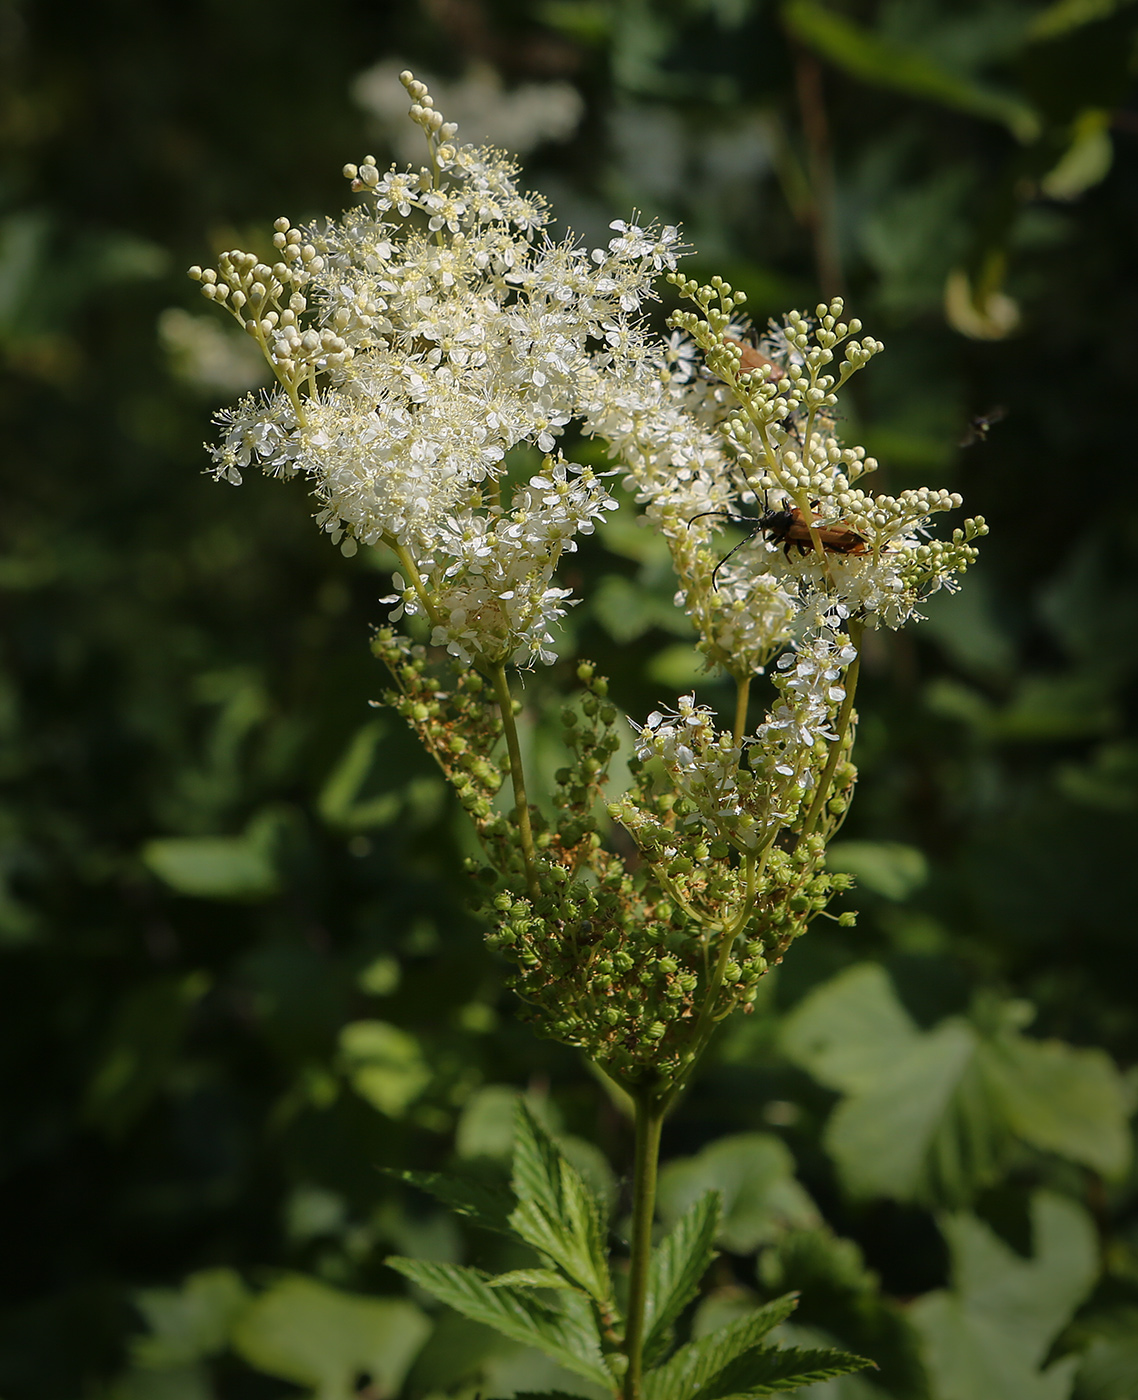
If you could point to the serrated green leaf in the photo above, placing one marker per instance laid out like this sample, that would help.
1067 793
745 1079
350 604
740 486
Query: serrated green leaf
694 1365
768 1370
888 63
985 1339
530 1278
487 1206
563 1333
317 1336
557 1214
677 1265
754 1175
536 1167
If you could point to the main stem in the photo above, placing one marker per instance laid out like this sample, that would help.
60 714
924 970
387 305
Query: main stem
651 1107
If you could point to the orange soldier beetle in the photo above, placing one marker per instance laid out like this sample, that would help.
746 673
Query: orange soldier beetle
790 529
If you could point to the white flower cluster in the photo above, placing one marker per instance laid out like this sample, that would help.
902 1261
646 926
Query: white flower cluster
489 577
416 342
744 808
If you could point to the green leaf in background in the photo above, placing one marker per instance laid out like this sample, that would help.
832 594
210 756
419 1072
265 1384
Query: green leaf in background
678 1263
220 867
888 63
558 1332
887 868
145 1035
1062 16
1109 1365
303 1331
930 1115
987 1336
1065 1100
339 802
385 1065
191 1322
753 1173
850 1031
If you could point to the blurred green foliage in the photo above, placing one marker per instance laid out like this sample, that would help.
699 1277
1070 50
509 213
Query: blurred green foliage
238 978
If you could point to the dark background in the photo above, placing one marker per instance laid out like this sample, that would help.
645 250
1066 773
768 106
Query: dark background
183 662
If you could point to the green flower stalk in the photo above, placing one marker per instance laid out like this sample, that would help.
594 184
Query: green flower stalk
415 343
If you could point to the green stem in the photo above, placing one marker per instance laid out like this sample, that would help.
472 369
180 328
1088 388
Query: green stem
403 554
651 1106
742 695
822 792
497 672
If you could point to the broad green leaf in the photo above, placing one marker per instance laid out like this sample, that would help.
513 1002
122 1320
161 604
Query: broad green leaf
888 63
851 1030
931 1115
305 1332
986 1338
678 1264
696 1364
928 1128
559 1332
754 1175
384 1064
190 1322
556 1212
484 1205
1064 1100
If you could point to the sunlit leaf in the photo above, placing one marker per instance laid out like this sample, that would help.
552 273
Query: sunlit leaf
385 1065
303 1331
514 1312
753 1173
987 1337
678 1263
190 1322
733 1362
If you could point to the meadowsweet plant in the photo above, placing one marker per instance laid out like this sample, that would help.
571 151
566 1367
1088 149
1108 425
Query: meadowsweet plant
415 342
